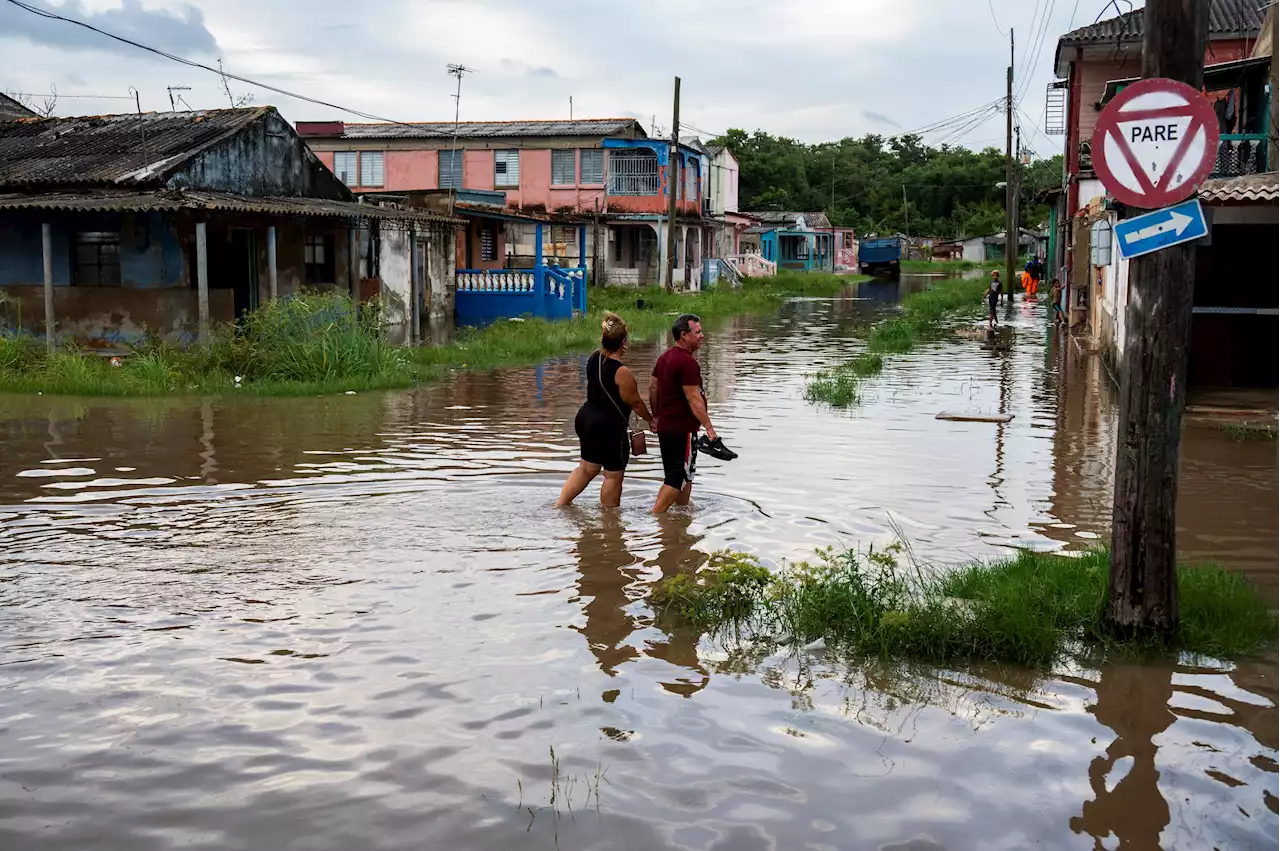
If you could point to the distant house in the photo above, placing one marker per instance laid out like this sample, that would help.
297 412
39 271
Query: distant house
171 222
605 167
11 109
985 249
803 242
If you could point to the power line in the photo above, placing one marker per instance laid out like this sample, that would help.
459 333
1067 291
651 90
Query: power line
993 19
61 96
226 75
1039 49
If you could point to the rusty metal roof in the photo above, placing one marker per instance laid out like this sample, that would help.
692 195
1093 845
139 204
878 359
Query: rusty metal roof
170 200
494 129
1249 189
1226 17
105 150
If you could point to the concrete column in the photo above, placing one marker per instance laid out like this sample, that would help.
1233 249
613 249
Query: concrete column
353 262
664 233
272 278
202 279
415 284
50 323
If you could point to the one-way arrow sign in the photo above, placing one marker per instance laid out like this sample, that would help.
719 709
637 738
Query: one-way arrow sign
1160 229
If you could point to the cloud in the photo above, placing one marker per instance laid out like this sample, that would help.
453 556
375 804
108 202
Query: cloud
180 30
878 118
543 72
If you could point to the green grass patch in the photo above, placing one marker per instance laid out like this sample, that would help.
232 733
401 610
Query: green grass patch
314 343
922 317
1034 609
950 265
1239 432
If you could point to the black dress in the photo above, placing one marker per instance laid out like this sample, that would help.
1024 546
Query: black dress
602 420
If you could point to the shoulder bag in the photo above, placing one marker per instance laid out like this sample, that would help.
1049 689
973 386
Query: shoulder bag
638 446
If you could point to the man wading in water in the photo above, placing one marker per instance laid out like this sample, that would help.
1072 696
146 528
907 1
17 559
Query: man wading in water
680 408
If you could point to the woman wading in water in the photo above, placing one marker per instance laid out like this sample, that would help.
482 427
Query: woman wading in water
602 421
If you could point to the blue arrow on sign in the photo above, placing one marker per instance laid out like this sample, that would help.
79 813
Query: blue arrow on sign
1160 229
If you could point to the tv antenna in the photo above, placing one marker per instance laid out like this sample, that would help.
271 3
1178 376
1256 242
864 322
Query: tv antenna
173 102
456 71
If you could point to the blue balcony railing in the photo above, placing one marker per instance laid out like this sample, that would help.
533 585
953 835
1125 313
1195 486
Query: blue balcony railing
1241 153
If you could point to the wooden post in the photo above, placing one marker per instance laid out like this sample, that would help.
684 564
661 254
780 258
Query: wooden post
1143 587
50 323
673 188
1010 223
1272 20
353 263
202 280
272 278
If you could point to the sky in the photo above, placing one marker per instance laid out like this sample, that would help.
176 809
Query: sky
814 71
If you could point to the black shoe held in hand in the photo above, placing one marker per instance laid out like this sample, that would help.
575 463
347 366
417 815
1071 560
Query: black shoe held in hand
715 448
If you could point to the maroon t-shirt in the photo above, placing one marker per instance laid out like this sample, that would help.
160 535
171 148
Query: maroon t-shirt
675 370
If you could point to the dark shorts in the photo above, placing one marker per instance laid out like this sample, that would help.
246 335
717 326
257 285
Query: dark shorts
992 301
601 440
679 459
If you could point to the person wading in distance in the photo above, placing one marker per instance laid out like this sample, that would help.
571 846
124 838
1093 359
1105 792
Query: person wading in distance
603 420
680 409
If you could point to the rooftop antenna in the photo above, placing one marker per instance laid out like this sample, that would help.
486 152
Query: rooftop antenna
142 126
173 103
456 71
570 107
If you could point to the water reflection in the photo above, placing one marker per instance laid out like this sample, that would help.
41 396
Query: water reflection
361 618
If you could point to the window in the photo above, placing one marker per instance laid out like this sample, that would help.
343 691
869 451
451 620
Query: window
451 169
506 168
563 168
344 165
372 172
633 171
488 240
591 166
96 259
691 182
318 259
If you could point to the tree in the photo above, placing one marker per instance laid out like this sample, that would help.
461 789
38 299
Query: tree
859 182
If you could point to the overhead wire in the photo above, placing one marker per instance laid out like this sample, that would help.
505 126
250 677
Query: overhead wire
226 75
1039 49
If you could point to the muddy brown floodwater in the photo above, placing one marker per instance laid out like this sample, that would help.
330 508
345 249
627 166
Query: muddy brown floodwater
358 622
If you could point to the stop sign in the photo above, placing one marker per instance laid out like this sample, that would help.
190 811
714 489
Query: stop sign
1155 143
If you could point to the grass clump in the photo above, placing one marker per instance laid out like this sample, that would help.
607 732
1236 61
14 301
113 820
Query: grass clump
922 318
953 265
1239 432
1034 609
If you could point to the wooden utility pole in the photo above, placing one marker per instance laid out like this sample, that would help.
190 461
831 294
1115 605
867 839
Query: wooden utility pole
673 187
1272 23
1143 588
1010 239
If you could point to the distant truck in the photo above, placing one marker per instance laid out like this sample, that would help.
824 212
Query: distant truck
882 257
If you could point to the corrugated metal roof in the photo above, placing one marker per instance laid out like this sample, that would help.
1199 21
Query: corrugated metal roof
169 200
1249 189
1226 17
10 108
124 150
494 129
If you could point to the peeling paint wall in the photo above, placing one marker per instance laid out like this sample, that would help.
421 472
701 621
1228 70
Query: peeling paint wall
109 317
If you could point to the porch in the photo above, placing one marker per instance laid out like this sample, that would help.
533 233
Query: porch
491 290
109 270
798 251
637 253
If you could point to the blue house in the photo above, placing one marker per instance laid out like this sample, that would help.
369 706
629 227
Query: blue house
801 242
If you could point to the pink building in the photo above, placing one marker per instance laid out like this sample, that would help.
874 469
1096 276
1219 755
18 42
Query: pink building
607 170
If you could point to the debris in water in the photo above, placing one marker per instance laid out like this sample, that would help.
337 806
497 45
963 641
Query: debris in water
820 644
974 418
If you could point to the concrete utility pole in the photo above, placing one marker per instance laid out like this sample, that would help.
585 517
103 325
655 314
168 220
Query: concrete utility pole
1272 22
673 187
1143 588
1010 238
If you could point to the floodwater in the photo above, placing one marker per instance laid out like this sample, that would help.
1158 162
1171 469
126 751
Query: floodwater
358 621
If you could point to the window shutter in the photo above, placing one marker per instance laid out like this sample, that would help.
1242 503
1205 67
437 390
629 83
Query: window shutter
562 167
450 170
506 168
592 165
344 166
371 168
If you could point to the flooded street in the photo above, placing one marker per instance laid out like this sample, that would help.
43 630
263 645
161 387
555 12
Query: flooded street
358 621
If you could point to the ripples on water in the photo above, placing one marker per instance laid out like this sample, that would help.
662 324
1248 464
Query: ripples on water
357 622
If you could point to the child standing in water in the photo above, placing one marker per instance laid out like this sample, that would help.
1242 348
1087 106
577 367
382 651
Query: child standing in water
993 299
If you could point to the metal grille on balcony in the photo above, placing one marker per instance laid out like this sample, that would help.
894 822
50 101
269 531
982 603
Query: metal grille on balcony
1241 153
1055 109
633 172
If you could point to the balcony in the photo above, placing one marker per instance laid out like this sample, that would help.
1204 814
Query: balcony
1240 154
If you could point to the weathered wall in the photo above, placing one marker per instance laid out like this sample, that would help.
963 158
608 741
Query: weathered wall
114 316
266 158
151 253
396 268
